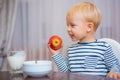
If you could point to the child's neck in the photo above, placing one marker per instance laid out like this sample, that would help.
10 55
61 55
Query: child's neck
88 39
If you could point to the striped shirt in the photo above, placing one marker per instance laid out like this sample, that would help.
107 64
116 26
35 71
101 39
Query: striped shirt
95 58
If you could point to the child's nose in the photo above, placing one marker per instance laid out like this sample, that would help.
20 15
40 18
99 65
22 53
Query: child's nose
68 29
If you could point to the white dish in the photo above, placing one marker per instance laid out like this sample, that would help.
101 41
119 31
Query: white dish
38 69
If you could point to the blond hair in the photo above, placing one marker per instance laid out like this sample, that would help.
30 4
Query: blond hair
87 11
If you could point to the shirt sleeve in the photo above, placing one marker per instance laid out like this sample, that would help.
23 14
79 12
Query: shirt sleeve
61 63
112 62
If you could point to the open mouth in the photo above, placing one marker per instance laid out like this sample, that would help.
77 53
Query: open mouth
71 36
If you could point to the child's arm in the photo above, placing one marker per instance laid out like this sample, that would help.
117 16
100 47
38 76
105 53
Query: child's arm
61 63
112 63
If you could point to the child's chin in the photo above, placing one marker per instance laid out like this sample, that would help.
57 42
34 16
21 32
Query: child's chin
74 40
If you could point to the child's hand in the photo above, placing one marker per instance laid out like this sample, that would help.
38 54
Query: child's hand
52 51
113 75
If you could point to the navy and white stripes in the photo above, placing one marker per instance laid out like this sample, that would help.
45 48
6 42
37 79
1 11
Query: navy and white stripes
61 63
95 58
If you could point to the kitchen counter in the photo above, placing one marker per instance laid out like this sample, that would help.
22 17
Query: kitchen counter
52 76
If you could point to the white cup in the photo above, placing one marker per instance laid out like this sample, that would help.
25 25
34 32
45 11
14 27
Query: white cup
15 61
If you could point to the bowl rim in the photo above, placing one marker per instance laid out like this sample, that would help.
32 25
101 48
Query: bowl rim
39 61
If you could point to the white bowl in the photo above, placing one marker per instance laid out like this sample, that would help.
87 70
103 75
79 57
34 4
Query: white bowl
38 69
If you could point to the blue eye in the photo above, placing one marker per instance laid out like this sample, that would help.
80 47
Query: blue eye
72 25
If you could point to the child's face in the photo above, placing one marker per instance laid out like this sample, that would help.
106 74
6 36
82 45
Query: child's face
77 28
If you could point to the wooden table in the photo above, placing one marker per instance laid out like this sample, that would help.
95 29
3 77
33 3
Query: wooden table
52 76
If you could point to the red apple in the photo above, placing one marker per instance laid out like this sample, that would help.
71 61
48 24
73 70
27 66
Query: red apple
55 42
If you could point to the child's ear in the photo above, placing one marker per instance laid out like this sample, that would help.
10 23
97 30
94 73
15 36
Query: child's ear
90 26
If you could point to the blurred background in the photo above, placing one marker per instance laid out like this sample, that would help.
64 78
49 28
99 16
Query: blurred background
28 24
